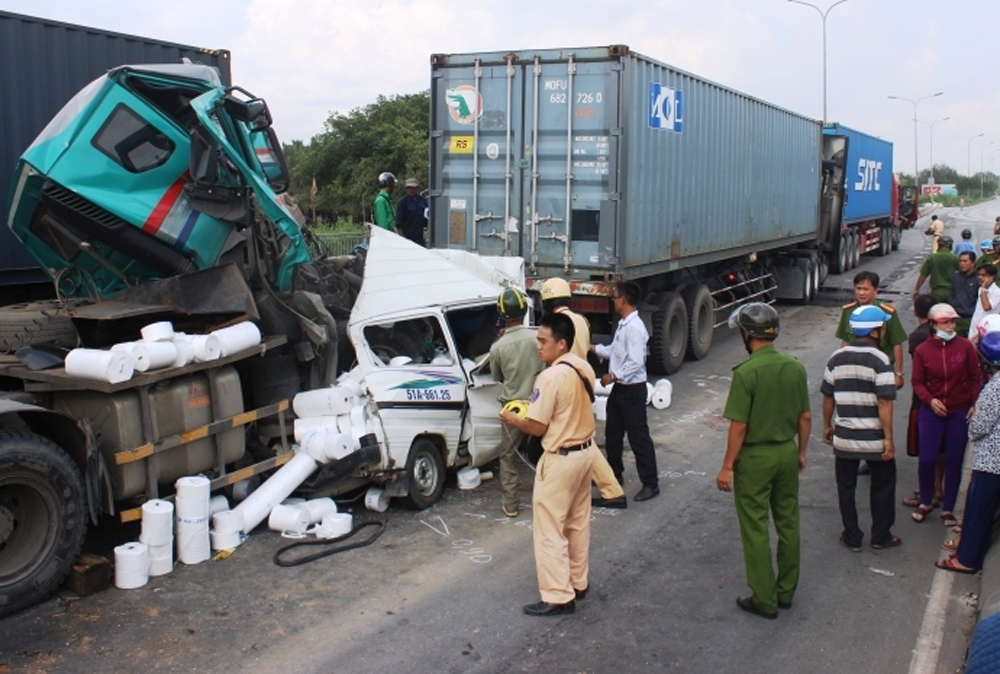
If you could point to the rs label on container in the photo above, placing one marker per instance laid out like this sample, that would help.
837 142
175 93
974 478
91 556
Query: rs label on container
461 145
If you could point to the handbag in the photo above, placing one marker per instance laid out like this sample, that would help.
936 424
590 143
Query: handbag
533 446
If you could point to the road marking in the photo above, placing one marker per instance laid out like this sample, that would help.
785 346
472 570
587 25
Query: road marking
928 649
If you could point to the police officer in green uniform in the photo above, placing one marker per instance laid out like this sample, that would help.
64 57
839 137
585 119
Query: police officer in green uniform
992 257
939 268
865 286
768 409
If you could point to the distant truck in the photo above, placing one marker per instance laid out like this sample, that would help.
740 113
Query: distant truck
599 164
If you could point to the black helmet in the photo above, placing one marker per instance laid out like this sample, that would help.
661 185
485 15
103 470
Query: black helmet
966 233
996 243
757 319
512 304
386 179
945 241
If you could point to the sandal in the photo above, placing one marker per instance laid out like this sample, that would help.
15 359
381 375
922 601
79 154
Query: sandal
949 519
891 543
920 514
952 564
950 545
912 501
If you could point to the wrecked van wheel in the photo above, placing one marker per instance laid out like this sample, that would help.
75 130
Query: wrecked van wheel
34 323
43 519
426 473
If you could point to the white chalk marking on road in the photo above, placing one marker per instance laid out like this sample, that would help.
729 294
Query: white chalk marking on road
928 648
476 515
881 572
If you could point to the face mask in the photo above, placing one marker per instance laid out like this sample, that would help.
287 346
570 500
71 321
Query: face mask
946 336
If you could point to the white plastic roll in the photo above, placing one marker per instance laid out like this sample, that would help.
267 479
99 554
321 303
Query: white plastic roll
161 559
158 332
376 499
113 367
351 385
217 504
294 501
206 348
316 509
400 361
335 525
288 518
344 423
600 389
153 355
237 337
303 427
322 402
468 478
194 493
358 415
338 445
125 347
661 399
261 502
185 353
157 523
131 566
223 540
227 521
649 393
660 383
193 546
601 408
314 444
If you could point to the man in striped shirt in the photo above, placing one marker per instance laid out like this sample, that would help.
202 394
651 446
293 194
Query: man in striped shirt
858 383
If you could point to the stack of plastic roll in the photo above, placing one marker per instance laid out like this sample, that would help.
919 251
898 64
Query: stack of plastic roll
323 402
131 566
192 505
206 348
163 331
158 535
237 337
153 355
662 393
317 508
226 528
302 427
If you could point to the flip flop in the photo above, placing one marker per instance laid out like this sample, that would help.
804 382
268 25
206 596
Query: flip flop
891 543
950 545
952 564
911 501
949 519
920 514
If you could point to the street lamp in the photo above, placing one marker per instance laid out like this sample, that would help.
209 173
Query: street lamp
969 153
914 103
981 150
823 15
931 126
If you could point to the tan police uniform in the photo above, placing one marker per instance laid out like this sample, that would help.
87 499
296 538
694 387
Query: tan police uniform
603 476
561 498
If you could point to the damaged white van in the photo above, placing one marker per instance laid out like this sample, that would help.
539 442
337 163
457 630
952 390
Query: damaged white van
422 320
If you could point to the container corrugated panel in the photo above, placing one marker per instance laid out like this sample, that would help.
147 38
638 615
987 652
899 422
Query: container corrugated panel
868 175
43 64
646 168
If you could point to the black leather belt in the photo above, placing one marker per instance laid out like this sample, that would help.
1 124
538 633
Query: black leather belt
563 451
638 383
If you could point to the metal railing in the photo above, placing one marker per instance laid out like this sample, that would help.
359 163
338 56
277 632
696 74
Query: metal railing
341 243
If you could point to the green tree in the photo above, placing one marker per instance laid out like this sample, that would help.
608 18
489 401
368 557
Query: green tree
390 134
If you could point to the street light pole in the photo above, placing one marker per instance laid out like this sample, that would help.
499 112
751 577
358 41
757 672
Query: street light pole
969 153
823 15
931 126
981 150
914 103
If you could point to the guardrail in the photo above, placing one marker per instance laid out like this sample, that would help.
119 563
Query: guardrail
341 243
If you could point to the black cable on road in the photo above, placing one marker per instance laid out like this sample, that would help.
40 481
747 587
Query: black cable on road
326 553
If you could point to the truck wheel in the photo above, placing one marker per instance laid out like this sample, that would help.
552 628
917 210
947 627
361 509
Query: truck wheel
838 264
426 472
668 343
35 322
701 319
897 234
855 249
43 519
808 279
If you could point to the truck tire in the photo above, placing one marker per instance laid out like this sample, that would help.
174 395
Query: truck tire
426 473
897 235
808 279
855 249
668 344
43 519
838 262
701 319
35 322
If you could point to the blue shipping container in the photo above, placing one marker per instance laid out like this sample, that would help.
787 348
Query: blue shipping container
868 175
597 160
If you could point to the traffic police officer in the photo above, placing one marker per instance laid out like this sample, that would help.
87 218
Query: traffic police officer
768 407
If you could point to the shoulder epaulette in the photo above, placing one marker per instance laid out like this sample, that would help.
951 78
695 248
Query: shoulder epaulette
849 305
888 307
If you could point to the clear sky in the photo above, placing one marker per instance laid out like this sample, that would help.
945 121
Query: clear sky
309 58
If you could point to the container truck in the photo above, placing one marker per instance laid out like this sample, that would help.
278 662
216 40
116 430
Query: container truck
598 164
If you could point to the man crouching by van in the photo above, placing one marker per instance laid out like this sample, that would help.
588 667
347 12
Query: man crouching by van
561 413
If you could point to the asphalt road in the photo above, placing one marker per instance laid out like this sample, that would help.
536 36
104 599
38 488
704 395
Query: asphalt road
442 589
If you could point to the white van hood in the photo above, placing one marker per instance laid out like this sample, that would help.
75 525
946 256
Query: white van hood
400 276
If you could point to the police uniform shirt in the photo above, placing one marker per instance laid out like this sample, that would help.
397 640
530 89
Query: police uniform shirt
514 361
769 393
893 335
561 402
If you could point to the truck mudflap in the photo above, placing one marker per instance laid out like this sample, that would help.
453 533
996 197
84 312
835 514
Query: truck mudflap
77 438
